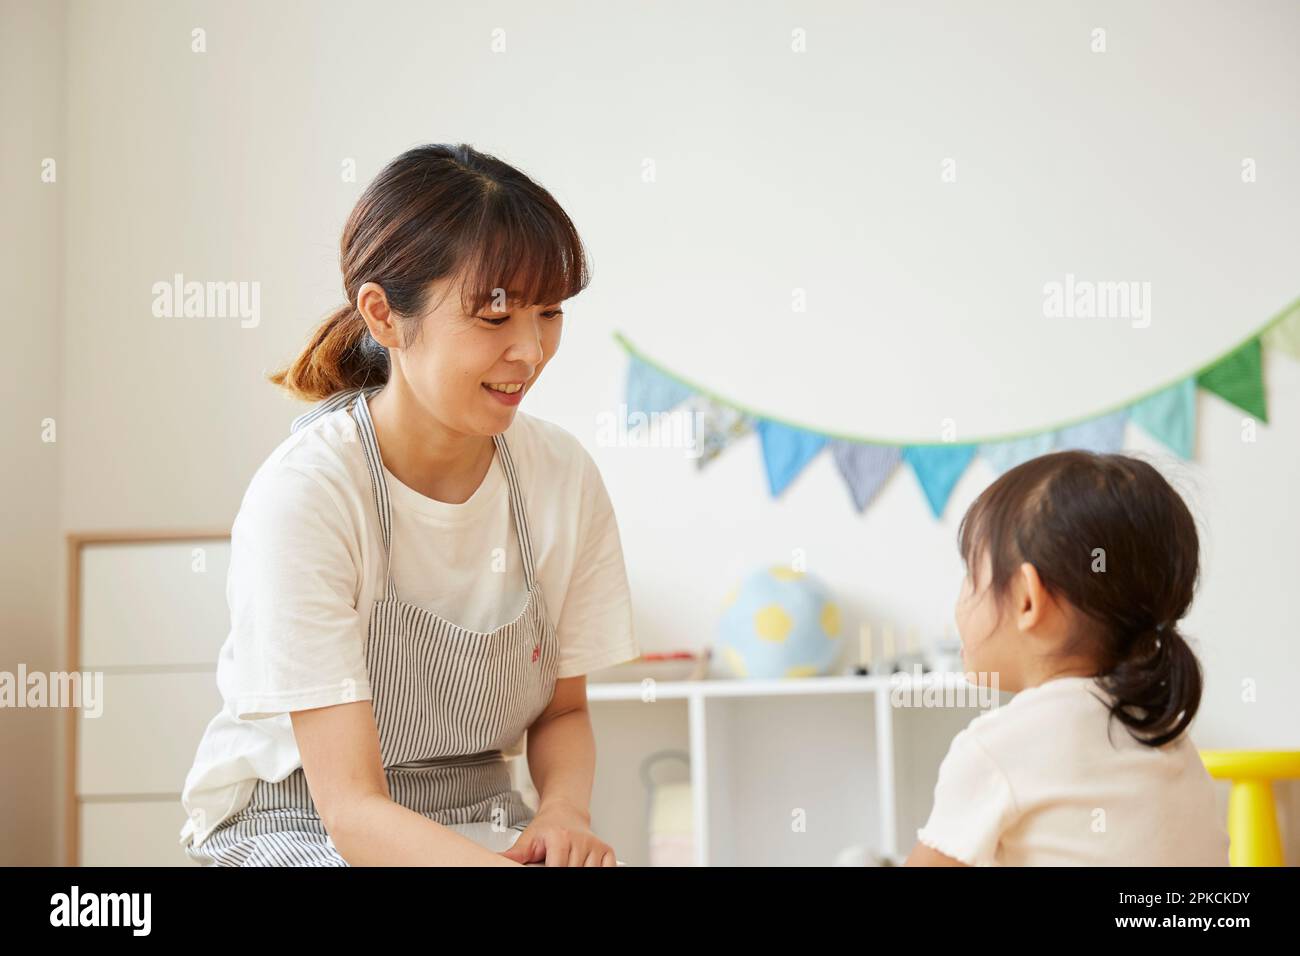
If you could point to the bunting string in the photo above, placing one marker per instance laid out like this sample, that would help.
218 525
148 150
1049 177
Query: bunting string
1167 413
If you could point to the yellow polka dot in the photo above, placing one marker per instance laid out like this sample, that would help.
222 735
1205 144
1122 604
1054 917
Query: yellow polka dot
771 623
801 670
730 599
735 661
831 619
782 573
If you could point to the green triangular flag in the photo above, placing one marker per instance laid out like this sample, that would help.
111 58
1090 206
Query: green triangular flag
1238 379
1285 336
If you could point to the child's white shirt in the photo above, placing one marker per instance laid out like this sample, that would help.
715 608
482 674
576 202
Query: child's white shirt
1050 780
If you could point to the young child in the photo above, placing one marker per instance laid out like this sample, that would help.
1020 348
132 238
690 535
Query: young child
1079 567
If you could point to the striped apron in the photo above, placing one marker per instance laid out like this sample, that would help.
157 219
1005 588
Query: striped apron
447 701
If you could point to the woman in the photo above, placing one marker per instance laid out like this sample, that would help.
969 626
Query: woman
420 573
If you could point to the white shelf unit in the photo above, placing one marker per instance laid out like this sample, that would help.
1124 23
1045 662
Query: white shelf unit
834 754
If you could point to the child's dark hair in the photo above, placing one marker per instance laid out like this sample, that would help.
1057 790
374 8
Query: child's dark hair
1109 535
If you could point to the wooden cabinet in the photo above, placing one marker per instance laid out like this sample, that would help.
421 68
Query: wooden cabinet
147 618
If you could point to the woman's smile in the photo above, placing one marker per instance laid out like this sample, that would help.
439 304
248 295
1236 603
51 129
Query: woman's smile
507 393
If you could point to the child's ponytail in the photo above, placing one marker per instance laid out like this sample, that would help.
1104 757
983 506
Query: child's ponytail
1157 688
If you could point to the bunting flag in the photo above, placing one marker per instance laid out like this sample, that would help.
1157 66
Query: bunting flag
1168 414
650 391
716 427
1285 336
786 451
1005 455
864 468
1103 435
937 468
1238 379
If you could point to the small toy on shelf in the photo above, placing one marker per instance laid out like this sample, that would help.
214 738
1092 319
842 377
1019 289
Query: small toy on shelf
911 660
890 662
864 666
939 656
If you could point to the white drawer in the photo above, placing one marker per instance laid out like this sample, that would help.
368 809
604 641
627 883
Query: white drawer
145 738
156 603
140 833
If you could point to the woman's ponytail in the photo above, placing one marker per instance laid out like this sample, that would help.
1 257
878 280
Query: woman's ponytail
1157 689
341 354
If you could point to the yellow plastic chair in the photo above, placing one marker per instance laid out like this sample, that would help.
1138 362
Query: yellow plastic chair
1252 812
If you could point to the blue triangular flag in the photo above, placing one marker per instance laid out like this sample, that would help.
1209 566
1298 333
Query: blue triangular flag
1170 416
1104 434
1005 455
786 451
937 468
650 390
864 468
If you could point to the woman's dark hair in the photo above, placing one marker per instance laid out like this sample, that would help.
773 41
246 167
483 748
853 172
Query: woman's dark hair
1109 535
437 212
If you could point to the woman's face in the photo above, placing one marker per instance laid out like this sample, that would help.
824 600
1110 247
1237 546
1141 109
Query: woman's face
472 371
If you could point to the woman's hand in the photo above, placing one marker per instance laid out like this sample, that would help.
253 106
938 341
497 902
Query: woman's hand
561 836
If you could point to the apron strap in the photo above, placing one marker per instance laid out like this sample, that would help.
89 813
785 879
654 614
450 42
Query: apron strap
517 509
337 400
379 487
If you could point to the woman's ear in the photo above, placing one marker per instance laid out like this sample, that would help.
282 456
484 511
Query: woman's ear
1031 597
372 303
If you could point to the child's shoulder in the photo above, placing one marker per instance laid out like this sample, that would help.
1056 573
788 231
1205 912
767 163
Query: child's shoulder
1053 710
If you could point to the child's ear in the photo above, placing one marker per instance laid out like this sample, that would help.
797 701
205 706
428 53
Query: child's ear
1031 597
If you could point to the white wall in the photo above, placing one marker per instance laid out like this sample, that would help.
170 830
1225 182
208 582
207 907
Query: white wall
31 562
773 171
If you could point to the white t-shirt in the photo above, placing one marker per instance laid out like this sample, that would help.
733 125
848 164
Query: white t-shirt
1038 782
307 563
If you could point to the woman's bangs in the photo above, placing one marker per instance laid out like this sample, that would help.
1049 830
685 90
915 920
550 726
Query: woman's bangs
535 261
